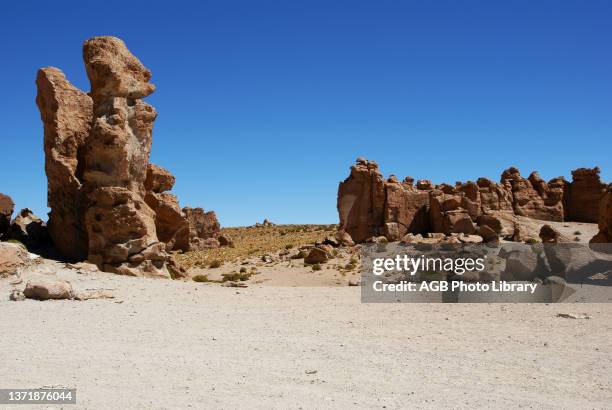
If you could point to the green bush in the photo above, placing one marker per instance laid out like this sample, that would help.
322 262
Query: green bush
316 266
200 278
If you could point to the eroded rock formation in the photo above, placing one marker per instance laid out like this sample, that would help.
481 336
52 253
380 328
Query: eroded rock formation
369 207
66 113
586 189
6 211
108 204
605 220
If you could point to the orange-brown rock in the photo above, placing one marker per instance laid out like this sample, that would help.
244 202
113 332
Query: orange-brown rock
158 179
107 202
533 197
6 211
66 113
361 201
171 224
203 228
113 71
405 210
585 190
369 206
120 225
605 220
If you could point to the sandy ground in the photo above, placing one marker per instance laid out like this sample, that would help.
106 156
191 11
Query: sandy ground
172 344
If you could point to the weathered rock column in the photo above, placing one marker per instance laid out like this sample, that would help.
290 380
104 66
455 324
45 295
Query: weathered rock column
66 114
120 225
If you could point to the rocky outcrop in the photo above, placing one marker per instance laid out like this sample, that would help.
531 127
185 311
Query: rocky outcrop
66 113
369 207
6 211
203 228
604 236
30 230
404 209
13 258
108 204
585 190
361 201
533 197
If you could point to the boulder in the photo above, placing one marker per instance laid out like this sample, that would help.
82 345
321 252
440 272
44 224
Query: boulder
66 113
521 265
317 255
13 258
6 212
45 289
343 238
548 234
225 240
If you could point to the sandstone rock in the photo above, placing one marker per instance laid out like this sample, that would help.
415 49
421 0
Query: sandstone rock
493 196
171 223
6 211
202 226
405 210
343 238
225 240
361 201
16 295
470 238
45 289
487 234
30 230
532 197
158 179
13 258
604 236
548 234
317 255
585 190
66 113
101 185
113 71
521 265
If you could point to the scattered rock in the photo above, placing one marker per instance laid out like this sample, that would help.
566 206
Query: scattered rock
13 258
343 238
354 282
16 295
45 289
225 240
317 255
548 234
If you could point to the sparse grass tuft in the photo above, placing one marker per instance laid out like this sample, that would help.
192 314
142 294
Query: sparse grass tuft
200 278
316 266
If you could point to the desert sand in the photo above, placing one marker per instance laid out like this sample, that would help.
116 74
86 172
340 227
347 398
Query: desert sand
179 344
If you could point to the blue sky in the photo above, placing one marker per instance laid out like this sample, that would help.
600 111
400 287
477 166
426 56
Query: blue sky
264 105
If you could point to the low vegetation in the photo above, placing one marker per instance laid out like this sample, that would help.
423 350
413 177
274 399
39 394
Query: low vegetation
253 241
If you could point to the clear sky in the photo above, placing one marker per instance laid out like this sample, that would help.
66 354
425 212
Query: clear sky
264 105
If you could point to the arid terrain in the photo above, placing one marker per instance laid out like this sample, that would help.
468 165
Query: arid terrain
181 344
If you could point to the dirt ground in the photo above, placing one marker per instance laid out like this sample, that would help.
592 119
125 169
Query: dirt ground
297 338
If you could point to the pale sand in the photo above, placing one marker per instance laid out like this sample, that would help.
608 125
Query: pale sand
172 344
